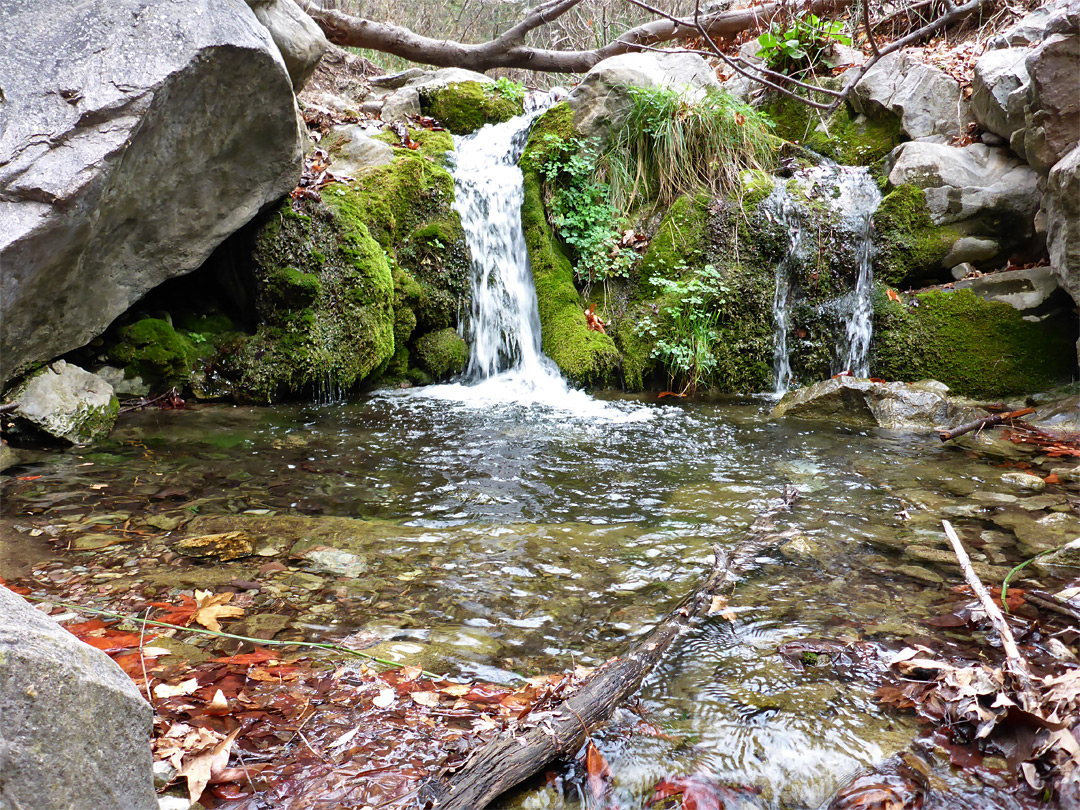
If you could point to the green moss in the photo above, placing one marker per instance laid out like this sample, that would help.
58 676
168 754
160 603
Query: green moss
848 138
557 122
464 107
152 349
678 243
442 353
909 247
978 348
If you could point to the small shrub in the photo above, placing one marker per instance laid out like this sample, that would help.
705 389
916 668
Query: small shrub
581 210
686 343
508 89
799 46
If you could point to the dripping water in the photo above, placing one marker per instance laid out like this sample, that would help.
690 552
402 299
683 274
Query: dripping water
859 199
787 215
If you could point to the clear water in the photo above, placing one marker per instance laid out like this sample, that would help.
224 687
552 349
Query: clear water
858 200
781 206
487 536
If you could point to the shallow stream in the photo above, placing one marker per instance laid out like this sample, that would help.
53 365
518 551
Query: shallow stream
486 538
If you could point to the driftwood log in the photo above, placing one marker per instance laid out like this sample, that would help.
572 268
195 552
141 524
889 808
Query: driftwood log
986 421
510 759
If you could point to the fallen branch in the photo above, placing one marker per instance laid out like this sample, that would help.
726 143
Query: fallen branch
512 758
1015 665
8 407
979 424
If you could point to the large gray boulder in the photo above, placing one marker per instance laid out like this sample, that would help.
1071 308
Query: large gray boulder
857 401
299 39
975 182
74 730
928 101
999 90
135 135
66 402
1052 17
1052 112
1034 292
602 98
1062 208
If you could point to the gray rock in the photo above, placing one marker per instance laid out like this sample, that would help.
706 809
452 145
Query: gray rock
1062 207
975 182
169 125
392 81
963 270
299 39
851 400
999 90
971 249
1063 561
1059 415
1035 291
1023 480
1052 111
67 402
76 731
8 457
360 151
927 100
433 79
602 98
122 385
1033 28
401 104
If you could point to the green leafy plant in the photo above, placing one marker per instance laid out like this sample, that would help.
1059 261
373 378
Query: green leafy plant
507 88
799 46
687 336
582 212
671 144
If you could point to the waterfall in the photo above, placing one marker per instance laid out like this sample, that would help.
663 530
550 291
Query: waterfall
852 197
504 324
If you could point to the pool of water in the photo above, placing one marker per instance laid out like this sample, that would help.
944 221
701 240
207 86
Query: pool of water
486 538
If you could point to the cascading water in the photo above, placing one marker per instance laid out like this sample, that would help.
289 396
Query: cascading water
851 193
506 362
505 324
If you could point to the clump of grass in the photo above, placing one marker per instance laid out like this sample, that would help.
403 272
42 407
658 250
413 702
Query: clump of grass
670 145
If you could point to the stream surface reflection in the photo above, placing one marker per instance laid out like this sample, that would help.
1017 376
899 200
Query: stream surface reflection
500 538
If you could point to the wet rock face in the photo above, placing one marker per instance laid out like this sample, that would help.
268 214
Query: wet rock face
851 400
76 731
297 36
170 125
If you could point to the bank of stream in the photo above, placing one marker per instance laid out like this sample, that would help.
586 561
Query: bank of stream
489 539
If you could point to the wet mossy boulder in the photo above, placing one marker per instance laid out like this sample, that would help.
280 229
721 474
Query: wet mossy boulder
844 136
584 356
345 283
65 402
464 107
442 354
909 247
152 349
978 348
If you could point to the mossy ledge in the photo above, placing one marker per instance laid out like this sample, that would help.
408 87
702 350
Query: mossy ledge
845 136
978 348
584 356
347 284
464 107
909 247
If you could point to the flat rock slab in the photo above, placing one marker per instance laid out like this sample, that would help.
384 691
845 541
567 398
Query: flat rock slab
68 403
76 732
855 401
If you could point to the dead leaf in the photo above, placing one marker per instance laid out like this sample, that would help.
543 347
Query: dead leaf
212 607
429 699
200 768
597 768
384 698
719 605
166 690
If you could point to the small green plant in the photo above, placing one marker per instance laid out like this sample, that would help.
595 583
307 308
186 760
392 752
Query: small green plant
687 338
581 211
671 144
799 46
507 88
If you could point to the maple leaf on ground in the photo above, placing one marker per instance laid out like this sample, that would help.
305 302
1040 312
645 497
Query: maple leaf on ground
176 614
212 607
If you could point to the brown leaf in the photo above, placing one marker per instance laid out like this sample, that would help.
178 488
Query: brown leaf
719 605
200 769
597 768
212 607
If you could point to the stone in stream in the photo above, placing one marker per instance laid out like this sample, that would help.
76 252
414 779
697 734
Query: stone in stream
223 546
852 400
1023 480
67 403
75 733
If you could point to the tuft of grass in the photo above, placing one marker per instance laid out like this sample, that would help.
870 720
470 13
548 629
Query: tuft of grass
670 145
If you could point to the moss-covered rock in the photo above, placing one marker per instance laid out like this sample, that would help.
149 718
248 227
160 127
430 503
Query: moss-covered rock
152 349
909 247
442 353
584 356
844 136
978 348
464 107
345 285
